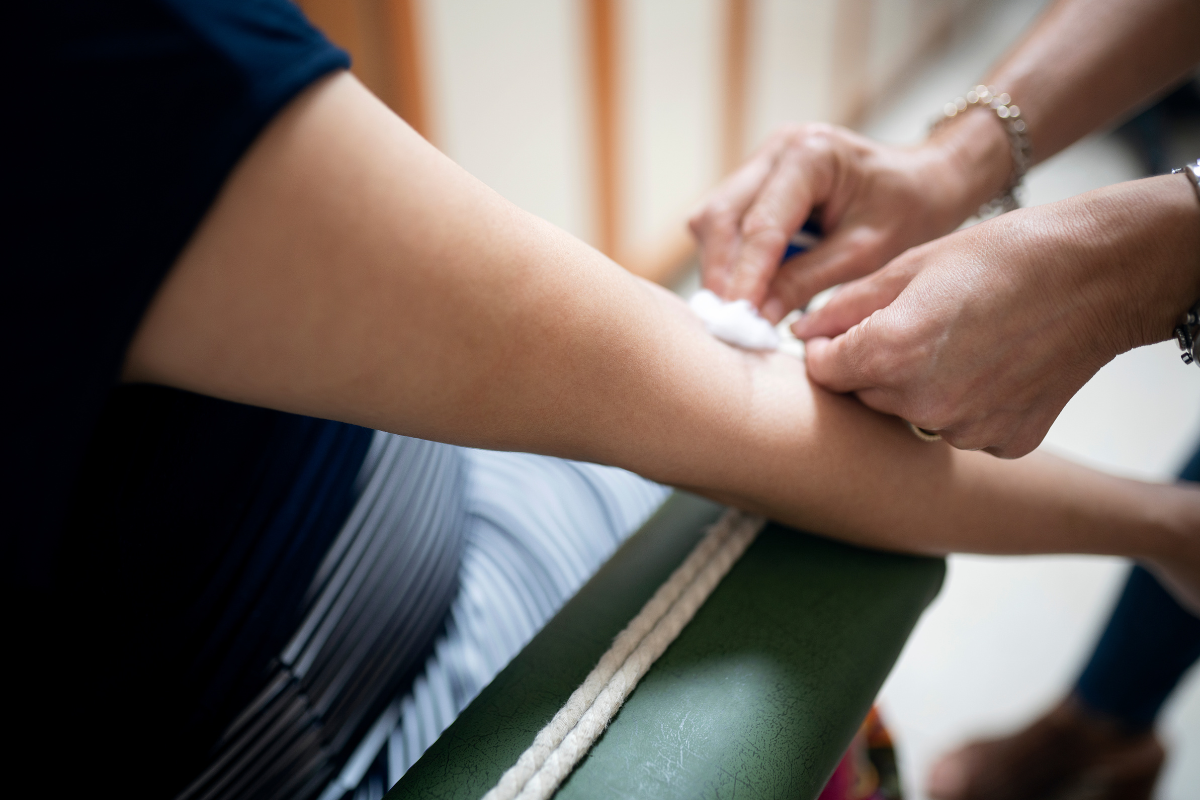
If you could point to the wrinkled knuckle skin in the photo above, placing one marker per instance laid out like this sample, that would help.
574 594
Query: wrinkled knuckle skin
889 340
761 226
913 344
810 138
818 139
875 361
715 215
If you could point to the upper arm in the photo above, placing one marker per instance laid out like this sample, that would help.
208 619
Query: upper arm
349 270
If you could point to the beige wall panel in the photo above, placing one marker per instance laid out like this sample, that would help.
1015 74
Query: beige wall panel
905 31
791 64
508 100
671 82
893 34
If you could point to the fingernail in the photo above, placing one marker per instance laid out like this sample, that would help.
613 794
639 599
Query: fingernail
815 345
799 325
773 310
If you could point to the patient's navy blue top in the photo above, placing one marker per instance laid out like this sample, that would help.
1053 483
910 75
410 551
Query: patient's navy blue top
155 543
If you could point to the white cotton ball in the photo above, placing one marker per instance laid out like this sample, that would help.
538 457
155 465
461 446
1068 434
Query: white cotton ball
736 322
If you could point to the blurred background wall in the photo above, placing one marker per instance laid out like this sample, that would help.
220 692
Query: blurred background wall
611 117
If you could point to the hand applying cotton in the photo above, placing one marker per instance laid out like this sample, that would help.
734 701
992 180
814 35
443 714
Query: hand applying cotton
737 322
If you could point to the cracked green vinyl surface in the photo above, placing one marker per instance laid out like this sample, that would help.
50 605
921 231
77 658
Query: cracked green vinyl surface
757 698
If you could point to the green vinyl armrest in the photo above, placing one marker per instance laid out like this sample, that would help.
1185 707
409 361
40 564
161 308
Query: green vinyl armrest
758 697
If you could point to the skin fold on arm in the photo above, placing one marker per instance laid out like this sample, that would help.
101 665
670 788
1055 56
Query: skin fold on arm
349 270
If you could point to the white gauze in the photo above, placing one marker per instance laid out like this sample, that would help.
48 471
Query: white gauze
736 322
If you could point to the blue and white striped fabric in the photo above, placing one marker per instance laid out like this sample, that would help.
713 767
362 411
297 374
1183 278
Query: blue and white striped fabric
470 550
536 529
378 599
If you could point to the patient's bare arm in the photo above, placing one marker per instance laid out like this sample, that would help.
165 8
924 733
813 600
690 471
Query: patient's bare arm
351 271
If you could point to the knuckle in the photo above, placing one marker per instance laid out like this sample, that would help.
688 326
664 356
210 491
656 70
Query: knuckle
818 139
762 226
912 341
874 355
716 214
808 137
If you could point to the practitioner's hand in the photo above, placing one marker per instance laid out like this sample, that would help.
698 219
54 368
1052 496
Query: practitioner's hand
985 334
873 201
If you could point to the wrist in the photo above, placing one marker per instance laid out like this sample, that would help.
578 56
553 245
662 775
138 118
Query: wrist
971 156
1146 236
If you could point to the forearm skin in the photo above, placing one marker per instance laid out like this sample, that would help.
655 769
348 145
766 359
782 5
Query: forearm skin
1086 63
350 271
1083 65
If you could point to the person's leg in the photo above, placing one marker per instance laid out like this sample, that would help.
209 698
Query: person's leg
1149 643
1102 734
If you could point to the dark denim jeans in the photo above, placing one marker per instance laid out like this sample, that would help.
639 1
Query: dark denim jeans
1148 645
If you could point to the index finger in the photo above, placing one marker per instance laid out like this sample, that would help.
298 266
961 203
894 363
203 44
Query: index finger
852 303
716 225
778 211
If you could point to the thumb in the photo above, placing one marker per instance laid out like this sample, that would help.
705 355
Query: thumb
839 364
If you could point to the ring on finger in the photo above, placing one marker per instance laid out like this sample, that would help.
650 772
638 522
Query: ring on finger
923 434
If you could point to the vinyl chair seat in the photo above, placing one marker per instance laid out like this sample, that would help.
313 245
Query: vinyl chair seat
758 697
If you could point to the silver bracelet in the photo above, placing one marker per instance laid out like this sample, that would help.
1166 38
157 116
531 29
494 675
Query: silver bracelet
1185 332
1018 141
1193 174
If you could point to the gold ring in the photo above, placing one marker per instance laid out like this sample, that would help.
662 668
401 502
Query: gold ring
922 434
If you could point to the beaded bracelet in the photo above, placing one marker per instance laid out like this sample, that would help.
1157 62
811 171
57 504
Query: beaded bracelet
1186 331
1018 141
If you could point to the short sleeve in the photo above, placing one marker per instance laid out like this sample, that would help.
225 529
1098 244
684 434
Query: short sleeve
127 119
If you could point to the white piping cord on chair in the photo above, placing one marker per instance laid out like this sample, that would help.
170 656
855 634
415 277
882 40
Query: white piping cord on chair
576 726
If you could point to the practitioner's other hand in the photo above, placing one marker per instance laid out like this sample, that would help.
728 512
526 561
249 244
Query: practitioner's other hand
985 334
873 201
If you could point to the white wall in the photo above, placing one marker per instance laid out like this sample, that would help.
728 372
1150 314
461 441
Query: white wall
673 57
509 94
791 64
507 101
